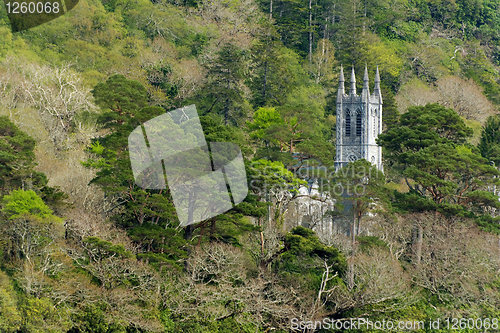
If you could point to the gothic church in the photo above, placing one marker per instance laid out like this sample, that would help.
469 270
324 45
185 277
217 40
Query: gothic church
359 122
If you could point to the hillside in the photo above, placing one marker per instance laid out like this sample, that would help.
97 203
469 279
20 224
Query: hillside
84 249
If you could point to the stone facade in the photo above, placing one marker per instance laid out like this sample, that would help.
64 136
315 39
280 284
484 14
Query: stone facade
359 122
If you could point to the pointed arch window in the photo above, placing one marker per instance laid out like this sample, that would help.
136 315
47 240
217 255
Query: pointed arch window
348 123
358 124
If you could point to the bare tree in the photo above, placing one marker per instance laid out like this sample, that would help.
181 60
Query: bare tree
217 287
58 94
415 93
130 287
379 280
11 94
395 231
465 97
458 262
34 250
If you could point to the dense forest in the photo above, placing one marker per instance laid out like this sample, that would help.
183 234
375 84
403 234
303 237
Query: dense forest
84 249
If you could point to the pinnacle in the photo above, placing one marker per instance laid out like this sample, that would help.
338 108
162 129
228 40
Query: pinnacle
377 76
352 91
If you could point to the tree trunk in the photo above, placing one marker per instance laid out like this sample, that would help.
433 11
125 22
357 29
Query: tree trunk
310 32
226 111
364 20
261 238
264 86
188 233
418 249
499 251
350 278
212 230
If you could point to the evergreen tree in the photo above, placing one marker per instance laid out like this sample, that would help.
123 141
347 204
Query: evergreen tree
428 145
224 93
489 144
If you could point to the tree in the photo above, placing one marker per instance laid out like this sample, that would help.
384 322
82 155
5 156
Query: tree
296 133
10 317
465 97
271 183
443 174
276 71
321 64
17 166
225 84
59 95
17 159
32 234
489 144
428 146
40 316
120 99
125 107
21 202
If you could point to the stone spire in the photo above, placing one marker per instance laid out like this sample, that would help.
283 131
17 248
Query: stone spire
366 89
376 90
340 92
353 83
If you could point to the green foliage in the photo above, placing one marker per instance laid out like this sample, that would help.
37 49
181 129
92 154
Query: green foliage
304 257
104 249
264 66
478 67
10 317
276 71
423 126
164 246
263 119
40 316
489 223
225 95
216 132
369 242
489 144
17 158
226 325
20 202
17 166
120 98
296 133
390 112
125 103
427 145
93 318
267 175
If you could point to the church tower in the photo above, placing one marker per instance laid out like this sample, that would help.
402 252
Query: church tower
359 122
